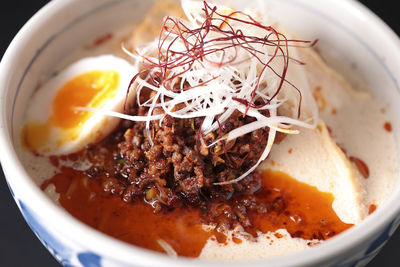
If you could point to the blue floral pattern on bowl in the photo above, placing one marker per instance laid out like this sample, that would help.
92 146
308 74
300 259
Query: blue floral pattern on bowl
364 254
61 252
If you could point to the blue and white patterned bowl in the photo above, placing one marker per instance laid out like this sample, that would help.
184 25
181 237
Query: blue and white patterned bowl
349 34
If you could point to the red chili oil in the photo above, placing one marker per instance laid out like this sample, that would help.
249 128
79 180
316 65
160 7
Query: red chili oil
302 210
361 166
387 126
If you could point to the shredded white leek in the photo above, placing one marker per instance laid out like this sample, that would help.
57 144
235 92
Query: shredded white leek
225 83
167 248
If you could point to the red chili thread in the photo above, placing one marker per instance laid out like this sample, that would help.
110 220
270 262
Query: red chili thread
198 50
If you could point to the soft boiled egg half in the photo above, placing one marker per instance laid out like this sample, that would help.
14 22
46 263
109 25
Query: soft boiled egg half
56 120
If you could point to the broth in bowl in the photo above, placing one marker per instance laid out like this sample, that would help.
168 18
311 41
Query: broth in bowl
232 140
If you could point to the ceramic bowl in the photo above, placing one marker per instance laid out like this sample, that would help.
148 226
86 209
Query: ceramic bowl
349 35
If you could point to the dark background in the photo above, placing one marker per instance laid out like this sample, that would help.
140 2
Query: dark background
19 246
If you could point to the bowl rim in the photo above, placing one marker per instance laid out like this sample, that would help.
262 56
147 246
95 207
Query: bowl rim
111 248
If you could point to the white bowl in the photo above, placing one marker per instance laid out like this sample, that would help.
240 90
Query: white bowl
349 34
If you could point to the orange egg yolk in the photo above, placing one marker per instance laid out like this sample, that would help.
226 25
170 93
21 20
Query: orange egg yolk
91 89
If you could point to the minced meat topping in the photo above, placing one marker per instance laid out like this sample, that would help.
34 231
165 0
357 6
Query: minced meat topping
177 167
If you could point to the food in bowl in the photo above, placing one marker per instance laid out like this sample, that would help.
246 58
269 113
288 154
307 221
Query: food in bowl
236 140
